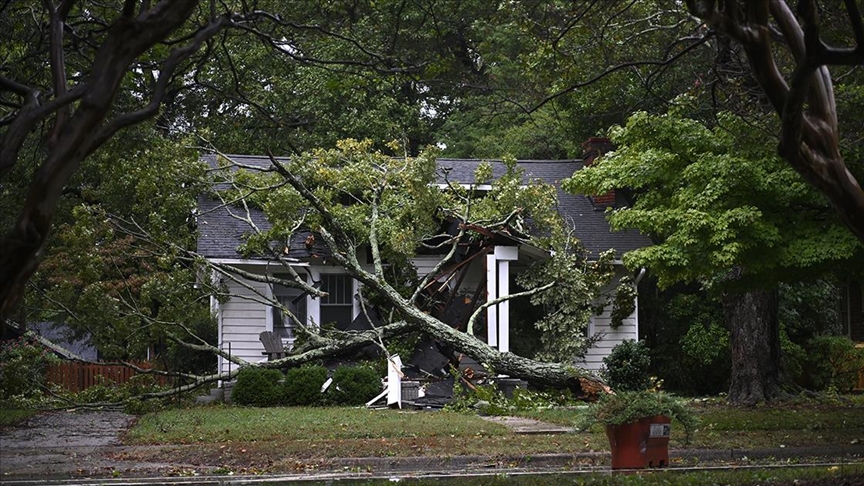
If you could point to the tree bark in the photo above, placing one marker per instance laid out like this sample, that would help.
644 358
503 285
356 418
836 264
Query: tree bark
755 343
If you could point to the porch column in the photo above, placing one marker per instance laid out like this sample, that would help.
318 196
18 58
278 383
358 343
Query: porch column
498 285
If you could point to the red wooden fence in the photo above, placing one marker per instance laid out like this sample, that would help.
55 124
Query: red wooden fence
75 376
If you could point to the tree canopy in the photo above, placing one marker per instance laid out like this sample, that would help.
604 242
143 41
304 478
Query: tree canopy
723 208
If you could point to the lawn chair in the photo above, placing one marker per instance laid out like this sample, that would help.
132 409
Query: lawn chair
273 347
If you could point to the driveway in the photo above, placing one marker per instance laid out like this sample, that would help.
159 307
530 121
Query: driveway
63 444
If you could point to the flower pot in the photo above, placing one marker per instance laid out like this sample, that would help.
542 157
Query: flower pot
640 444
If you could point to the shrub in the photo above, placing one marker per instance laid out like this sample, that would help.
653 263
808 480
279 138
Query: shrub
354 385
22 368
627 366
303 385
793 359
258 387
833 362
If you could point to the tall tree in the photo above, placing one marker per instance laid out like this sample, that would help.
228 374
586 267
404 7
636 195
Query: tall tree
65 70
726 213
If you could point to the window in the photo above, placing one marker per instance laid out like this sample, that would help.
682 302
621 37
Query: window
295 301
338 306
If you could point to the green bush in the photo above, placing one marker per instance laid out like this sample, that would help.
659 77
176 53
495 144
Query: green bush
793 359
354 385
258 387
627 368
303 385
22 368
833 362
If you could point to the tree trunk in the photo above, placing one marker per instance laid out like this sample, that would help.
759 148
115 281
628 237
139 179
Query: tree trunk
752 317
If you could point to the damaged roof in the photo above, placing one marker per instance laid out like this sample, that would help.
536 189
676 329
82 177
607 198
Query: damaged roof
221 231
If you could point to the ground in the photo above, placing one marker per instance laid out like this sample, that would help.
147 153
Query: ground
88 444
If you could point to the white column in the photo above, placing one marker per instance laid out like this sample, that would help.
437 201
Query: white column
503 307
491 294
504 255
498 285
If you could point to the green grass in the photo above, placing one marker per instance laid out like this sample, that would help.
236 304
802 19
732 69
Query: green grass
247 439
214 424
14 415
789 424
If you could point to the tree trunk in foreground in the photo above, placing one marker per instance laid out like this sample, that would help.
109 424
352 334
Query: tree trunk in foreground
755 342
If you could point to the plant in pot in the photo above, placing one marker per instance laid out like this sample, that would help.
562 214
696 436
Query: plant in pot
638 426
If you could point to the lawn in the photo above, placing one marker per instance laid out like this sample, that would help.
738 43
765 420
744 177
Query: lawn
792 424
289 439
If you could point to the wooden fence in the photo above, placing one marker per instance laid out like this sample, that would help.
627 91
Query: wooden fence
75 376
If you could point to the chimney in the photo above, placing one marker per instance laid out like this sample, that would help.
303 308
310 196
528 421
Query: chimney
591 149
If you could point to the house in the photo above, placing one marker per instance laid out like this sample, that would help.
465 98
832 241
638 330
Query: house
246 314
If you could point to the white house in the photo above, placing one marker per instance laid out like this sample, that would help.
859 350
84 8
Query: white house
246 313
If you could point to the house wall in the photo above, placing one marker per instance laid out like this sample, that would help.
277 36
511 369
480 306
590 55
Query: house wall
241 319
629 329
245 315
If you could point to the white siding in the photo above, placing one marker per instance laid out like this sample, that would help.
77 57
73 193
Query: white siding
629 329
612 337
425 263
243 318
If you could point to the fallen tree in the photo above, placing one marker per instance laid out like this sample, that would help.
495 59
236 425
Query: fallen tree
394 208
357 201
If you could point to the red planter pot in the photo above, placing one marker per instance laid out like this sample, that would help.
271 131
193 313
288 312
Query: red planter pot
640 444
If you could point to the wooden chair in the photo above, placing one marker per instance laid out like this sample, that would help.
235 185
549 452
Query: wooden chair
273 347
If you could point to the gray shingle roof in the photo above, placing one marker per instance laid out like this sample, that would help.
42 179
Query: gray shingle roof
220 233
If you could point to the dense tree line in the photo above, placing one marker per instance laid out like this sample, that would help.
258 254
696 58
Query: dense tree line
104 105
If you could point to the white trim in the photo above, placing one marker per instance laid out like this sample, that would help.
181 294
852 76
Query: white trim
258 263
355 298
313 303
268 315
476 187
506 253
498 285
